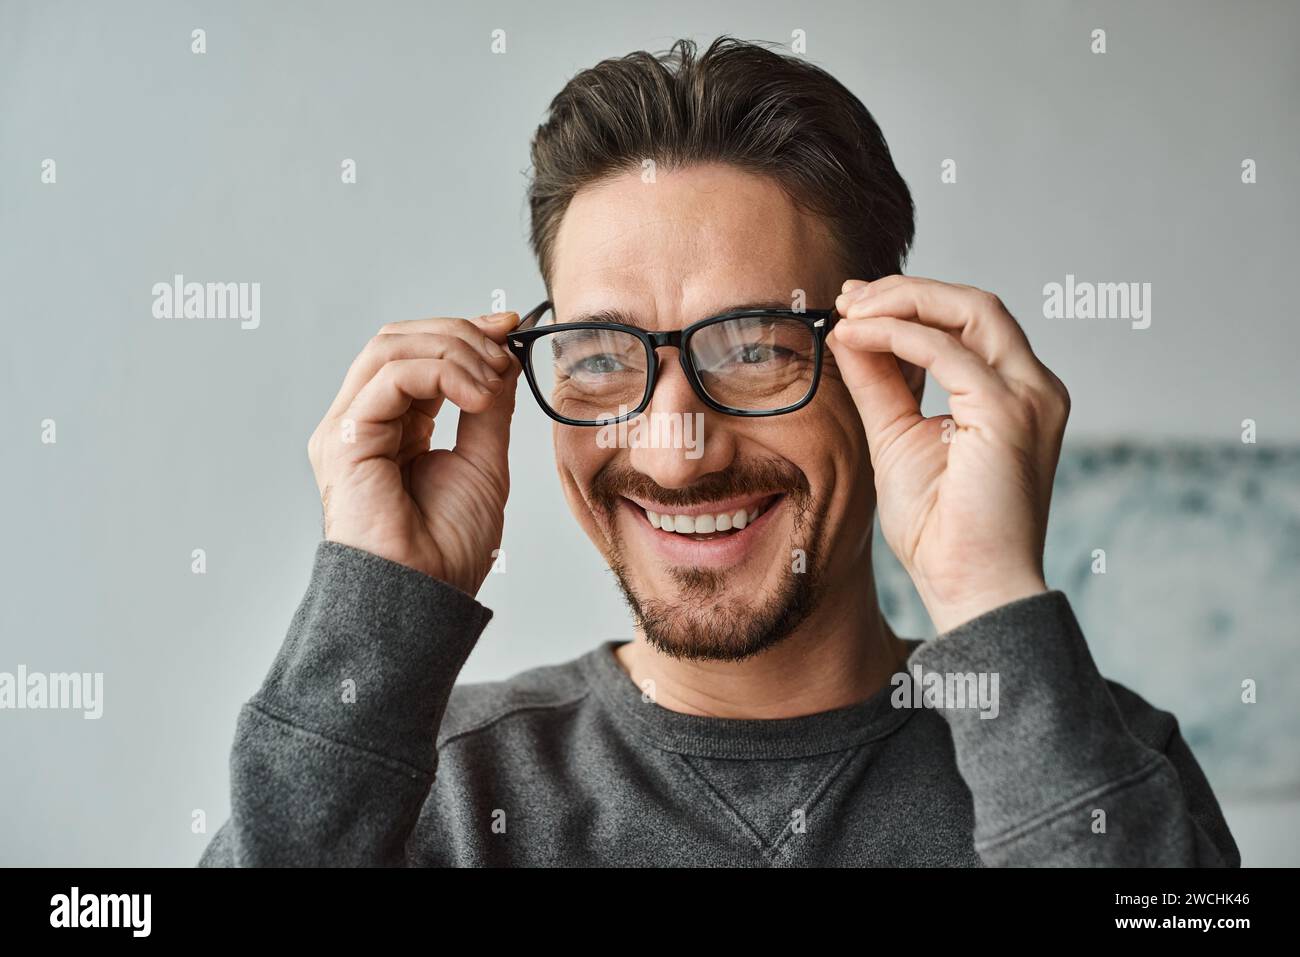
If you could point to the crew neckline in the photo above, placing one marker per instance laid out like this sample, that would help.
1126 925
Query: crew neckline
700 736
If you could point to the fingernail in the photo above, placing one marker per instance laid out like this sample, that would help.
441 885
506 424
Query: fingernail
492 349
486 389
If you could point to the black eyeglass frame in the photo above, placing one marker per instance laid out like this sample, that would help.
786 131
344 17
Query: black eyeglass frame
520 342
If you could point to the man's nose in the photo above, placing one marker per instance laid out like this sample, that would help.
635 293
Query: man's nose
681 438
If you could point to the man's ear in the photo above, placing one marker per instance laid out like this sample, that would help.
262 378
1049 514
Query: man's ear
914 376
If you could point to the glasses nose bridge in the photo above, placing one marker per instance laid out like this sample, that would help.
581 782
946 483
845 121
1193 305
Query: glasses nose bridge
659 340
674 339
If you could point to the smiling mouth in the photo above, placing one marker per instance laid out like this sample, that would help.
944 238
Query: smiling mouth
707 526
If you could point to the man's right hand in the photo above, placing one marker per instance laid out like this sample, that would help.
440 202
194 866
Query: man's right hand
440 512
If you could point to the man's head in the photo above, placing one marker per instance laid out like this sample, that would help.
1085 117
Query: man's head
675 188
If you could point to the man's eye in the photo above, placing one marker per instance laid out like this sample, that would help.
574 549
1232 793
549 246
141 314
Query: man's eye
756 353
603 364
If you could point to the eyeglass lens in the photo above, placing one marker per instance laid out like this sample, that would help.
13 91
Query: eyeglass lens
752 363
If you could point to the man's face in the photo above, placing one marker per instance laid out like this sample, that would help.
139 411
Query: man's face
694 243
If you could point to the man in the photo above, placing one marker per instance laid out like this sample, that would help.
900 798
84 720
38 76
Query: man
764 713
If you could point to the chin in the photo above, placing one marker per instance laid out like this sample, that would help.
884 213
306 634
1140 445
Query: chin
698 615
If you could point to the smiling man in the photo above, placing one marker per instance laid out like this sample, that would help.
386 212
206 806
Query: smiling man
686 208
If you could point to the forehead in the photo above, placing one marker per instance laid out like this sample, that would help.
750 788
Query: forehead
693 242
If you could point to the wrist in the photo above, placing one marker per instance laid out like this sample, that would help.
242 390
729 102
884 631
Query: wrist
950 612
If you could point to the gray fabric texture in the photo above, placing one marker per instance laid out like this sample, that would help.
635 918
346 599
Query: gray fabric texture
359 749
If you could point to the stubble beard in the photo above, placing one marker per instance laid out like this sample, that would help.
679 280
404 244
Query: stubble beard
705 621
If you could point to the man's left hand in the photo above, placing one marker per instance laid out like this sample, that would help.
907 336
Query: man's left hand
963 498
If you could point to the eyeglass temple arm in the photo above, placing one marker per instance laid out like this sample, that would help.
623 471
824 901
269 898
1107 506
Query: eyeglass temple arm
529 320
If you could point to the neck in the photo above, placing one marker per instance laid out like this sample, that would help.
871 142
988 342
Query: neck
840 655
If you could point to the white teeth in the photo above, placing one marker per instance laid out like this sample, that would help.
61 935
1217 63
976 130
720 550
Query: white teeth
703 524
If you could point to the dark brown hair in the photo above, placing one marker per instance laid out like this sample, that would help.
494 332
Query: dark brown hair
738 103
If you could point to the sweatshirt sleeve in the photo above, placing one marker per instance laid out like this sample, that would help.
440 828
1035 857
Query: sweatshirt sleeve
1057 776
334 756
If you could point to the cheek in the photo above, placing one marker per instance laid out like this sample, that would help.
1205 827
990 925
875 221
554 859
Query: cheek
830 445
852 502
812 441
578 459
840 416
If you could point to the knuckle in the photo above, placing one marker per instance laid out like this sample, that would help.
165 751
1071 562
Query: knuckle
318 447
381 343
1058 396
465 344
1062 395
456 349
1048 402
385 375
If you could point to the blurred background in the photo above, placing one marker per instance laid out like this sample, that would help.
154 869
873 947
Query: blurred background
225 166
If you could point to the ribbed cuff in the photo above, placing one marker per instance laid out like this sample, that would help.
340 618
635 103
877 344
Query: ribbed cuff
1057 733
372 654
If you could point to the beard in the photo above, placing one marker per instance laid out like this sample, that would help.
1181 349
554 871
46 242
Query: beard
703 622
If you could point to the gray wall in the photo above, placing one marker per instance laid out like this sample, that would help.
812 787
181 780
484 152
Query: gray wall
175 435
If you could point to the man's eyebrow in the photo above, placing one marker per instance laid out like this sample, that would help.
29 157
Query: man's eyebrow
607 315
625 318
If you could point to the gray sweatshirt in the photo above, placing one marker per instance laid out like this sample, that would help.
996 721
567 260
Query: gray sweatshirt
360 750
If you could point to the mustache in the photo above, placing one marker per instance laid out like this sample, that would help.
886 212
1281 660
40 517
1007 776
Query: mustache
616 480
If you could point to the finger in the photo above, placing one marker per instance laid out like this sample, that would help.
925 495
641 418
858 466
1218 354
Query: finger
442 340
884 282
496 326
402 382
417 430
430 339
484 437
979 318
879 390
956 368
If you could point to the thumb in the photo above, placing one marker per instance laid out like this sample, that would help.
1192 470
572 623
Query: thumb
497 324
879 390
484 437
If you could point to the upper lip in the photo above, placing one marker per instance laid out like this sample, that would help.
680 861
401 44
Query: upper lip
708 508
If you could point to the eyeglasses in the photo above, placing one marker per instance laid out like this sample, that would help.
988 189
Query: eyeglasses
750 362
